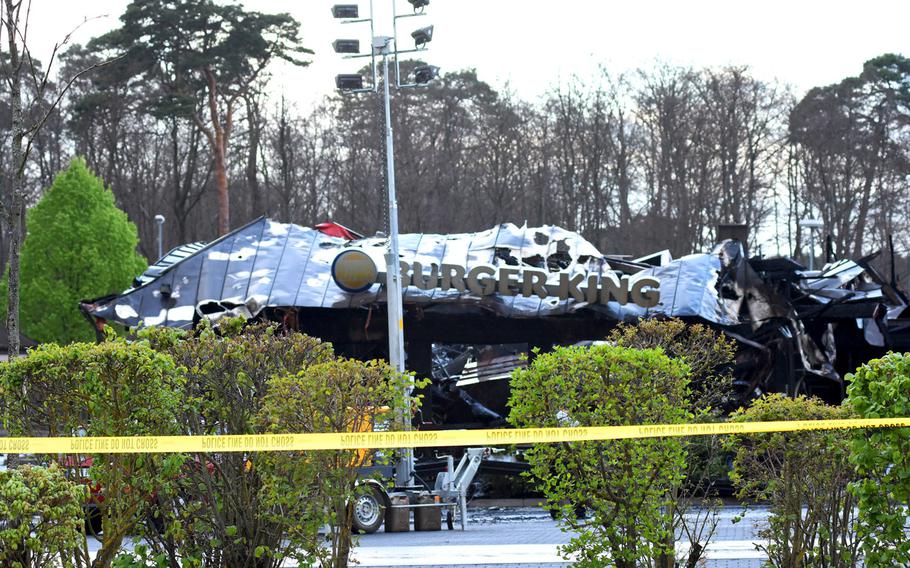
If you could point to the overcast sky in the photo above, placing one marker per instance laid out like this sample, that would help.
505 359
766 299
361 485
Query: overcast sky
533 44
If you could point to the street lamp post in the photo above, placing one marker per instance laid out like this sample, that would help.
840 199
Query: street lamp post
386 47
159 220
812 225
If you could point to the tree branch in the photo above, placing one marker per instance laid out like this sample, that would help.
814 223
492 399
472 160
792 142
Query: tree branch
37 125
42 84
197 120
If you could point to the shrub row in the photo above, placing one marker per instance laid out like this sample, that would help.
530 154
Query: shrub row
213 509
836 498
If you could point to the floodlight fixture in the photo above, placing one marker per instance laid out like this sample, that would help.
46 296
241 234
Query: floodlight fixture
386 47
423 74
349 82
422 36
345 11
346 45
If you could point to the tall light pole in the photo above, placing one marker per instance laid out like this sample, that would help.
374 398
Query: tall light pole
386 46
404 469
812 225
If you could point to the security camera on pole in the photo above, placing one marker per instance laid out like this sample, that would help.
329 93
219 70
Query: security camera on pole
386 47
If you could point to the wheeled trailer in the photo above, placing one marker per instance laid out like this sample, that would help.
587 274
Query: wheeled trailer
449 493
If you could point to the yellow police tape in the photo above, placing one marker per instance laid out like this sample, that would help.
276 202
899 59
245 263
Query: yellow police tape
414 439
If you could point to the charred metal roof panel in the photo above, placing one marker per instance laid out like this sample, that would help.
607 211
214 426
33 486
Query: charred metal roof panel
172 256
271 264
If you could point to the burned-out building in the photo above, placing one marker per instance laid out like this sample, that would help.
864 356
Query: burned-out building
476 301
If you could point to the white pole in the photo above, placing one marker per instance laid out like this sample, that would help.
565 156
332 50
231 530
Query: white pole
159 220
811 249
404 470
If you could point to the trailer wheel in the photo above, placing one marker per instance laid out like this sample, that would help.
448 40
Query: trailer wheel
369 512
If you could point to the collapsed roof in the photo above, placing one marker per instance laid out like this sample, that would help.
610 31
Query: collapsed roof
270 264
265 267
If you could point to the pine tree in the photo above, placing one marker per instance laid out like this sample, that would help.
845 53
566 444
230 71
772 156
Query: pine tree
79 245
201 60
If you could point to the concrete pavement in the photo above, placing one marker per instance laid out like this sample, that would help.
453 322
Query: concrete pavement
504 537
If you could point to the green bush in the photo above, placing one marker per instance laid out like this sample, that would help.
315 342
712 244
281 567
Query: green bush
625 483
337 396
207 509
708 354
79 245
695 506
224 513
804 478
40 517
110 389
881 389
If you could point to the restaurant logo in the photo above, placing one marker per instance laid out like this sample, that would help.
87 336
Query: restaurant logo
354 271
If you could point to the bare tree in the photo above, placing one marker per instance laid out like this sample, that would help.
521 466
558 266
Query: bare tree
298 154
746 136
675 166
28 116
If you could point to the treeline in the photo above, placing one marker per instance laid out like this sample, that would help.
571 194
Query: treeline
637 162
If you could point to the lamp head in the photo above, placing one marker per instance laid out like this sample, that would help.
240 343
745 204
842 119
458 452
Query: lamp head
345 11
811 223
346 45
423 74
348 82
422 36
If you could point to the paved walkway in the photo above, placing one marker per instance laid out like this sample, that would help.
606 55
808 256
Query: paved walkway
527 537
524 537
